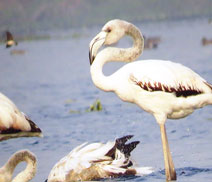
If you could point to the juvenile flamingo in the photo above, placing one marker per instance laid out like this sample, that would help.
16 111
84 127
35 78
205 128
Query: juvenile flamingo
163 88
7 170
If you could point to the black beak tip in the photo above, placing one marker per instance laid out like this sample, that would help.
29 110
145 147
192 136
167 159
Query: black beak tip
91 58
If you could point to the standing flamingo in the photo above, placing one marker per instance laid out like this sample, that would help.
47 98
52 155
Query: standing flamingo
14 123
7 170
163 88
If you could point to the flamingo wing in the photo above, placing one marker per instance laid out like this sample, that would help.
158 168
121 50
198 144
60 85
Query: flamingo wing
166 76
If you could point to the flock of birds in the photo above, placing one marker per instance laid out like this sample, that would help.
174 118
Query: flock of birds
162 88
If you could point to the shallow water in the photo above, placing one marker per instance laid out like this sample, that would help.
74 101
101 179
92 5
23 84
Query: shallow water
53 77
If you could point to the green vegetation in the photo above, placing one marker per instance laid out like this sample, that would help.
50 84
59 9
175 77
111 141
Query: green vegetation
96 106
29 17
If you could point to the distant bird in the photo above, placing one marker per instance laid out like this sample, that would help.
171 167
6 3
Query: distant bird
151 42
10 40
6 172
96 161
206 41
163 88
14 123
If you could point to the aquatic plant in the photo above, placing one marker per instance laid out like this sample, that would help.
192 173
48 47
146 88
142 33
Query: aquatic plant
96 106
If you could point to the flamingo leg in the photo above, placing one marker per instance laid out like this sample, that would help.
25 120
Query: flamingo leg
169 165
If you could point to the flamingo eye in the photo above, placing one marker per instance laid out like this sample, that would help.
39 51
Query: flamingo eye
108 30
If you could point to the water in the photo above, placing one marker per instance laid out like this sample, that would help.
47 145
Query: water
53 77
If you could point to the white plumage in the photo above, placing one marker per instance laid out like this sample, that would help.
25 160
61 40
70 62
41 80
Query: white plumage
157 89
14 123
97 160
162 88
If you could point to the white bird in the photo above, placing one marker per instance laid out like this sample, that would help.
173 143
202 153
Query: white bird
7 170
163 88
14 123
96 161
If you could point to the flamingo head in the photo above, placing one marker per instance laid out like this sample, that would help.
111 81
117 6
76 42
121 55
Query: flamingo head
111 33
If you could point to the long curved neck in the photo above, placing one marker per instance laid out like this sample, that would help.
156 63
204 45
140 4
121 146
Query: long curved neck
30 169
116 54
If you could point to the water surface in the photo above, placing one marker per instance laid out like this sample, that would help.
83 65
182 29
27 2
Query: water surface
53 77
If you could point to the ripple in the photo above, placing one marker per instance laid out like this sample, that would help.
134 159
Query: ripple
190 171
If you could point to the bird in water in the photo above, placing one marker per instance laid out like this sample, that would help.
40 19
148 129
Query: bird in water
6 172
151 42
206 41
96 161
14 123
165 89
10 40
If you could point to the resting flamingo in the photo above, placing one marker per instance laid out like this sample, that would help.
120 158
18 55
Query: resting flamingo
96 161
162 88
7 170
14 123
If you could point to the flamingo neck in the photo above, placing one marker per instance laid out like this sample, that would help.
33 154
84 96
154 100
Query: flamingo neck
30 169
107 83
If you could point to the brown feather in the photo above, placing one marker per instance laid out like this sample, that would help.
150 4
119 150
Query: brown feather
181 90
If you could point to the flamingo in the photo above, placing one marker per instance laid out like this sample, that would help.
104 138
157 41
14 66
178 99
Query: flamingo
14 123
165 89
7 170
97 160
10 40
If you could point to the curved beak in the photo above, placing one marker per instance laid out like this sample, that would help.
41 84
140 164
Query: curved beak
95 44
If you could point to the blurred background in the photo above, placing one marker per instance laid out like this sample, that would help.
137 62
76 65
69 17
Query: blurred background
29 18
47 75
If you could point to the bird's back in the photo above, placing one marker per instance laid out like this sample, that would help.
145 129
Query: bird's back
155 73
10 116
165 72
95 161
14 123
